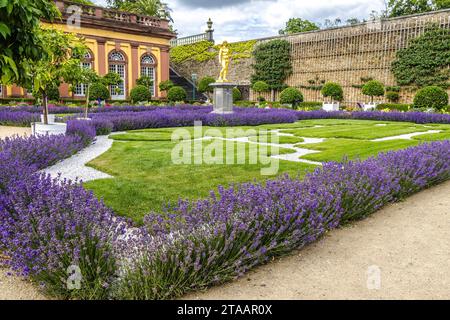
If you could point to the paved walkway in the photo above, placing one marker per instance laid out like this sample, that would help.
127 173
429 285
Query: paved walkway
10 131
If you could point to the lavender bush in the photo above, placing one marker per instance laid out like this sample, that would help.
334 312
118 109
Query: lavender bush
18 118
201 243
50 228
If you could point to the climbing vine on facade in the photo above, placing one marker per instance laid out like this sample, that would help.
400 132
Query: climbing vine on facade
272 63
425 61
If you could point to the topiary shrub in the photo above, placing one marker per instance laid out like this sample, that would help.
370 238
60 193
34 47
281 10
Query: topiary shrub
373 88
99 91
140 93
237 95
291 96
166 85
176 94
392 96
431 97
260 86
333 90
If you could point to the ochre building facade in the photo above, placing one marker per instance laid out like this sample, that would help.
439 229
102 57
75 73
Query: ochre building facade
128 44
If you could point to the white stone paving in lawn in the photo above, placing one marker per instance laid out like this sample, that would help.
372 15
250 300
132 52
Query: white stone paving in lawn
407 136
75 166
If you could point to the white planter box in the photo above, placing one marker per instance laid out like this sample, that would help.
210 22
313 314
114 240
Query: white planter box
51 118
369 106
38 128
330 106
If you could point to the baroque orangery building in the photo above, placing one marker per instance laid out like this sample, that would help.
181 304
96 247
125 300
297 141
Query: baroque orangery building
128 44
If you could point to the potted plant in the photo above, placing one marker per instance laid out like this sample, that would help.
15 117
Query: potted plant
335 93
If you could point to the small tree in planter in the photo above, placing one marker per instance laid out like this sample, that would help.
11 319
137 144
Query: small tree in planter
335 92
291 96
165 86
373 88
205 88
99 92
86 77
57 63
261 87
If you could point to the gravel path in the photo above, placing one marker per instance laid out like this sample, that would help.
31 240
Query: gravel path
10 131
409 242
75 166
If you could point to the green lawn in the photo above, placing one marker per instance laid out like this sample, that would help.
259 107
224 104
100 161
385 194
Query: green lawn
146 179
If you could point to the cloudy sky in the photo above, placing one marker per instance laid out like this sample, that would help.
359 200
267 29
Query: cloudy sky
249 19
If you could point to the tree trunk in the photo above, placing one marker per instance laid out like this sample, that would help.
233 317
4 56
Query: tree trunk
86 109
45 107
371 99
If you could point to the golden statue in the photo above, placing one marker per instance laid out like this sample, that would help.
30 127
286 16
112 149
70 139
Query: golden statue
224 60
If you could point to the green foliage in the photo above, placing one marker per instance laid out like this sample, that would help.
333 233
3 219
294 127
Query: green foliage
260 86
394 106
333 90
99 92
166 85
205 50
296 25
291 96
153 8
272 63
431 97
144 81
425 61
111 79
176 93
392 96
397 8
204 85
53 93
373 88
237 95
20 42
393 88
140 93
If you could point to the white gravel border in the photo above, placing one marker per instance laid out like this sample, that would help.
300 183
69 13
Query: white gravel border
75 166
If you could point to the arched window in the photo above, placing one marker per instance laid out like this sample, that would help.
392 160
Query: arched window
117 64
87 62
1 90
148 68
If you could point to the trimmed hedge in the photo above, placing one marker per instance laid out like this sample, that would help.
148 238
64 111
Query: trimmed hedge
394 106
431 97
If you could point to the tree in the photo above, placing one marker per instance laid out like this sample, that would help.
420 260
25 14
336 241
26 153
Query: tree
296 25
333 90
20 44
397 8
165 85
144 81
204 86
154 8
373 88
57 63
86 77
273 63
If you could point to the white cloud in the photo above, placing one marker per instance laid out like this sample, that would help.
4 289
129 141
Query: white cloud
260 18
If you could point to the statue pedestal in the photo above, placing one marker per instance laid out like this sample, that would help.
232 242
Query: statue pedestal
223 97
